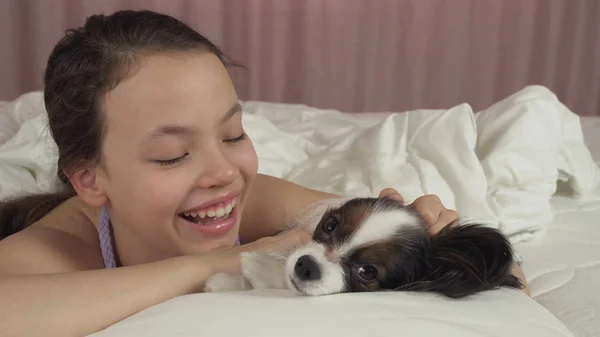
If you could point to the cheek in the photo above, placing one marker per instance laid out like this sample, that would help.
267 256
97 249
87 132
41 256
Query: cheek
153 202
246 160
147 192
163 192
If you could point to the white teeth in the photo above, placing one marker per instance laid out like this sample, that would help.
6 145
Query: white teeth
220 212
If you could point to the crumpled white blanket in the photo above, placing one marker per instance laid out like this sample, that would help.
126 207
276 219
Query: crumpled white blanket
500 165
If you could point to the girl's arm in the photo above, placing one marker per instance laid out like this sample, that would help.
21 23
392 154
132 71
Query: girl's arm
83 302
52 284
274 202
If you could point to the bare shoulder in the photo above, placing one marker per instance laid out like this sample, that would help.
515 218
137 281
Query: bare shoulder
64 240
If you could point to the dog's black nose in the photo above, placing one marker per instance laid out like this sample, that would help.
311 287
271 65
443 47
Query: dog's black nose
306 268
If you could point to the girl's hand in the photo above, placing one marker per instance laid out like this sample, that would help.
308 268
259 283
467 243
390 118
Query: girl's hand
280 243
227 260
430 207
437 217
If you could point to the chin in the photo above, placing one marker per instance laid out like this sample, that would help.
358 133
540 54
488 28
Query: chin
195 243
376 244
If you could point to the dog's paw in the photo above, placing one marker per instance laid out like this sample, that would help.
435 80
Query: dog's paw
225 282
264 271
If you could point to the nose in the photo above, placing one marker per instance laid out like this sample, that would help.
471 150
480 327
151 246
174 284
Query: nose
306 268
218 171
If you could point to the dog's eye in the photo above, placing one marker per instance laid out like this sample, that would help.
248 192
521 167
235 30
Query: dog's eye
367 273
330 225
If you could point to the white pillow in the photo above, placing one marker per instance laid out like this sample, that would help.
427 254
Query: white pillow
500 313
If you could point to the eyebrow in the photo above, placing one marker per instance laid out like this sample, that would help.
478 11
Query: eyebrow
232 111
166 130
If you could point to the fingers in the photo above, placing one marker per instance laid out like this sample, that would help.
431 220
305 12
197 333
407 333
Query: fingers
228 259
290 240
391 194
434 213
518 272
429 207
300 236
282 242
447 217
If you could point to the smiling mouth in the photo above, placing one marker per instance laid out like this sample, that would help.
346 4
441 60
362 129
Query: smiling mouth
210 215
206 221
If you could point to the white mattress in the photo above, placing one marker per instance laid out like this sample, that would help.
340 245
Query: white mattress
563 265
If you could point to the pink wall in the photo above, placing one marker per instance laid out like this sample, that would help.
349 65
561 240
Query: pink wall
356 55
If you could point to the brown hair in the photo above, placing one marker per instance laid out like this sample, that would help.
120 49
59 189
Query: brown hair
85 64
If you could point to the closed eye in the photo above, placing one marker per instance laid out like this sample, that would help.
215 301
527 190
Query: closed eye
168 162
237 139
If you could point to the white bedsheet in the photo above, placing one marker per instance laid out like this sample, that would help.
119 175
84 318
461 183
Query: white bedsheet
485 165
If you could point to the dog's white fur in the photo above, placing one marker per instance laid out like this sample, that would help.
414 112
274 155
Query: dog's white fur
332 279
277 271
268 271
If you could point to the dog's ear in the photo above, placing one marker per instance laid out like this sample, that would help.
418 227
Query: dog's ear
467 259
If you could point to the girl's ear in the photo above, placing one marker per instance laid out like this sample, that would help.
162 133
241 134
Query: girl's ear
86 183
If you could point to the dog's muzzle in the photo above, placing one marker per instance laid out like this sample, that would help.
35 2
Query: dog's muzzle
307 269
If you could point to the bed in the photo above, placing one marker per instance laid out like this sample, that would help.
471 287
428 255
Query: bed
404 54
550 212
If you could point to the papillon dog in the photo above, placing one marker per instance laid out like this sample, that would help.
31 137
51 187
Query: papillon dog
377 244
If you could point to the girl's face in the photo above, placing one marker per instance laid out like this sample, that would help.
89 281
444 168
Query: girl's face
177 165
